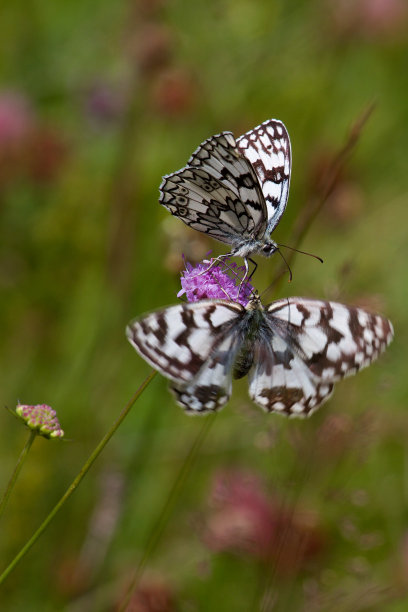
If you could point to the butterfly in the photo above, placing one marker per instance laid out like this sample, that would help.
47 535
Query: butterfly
234 190
292 350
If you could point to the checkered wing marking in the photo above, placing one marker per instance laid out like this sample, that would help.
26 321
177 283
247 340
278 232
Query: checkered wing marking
193 345
268 149
217 193
316 343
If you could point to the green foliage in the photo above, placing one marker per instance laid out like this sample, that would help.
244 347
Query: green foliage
114 96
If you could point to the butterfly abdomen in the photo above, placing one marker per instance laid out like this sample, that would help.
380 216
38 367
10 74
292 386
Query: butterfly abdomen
251 334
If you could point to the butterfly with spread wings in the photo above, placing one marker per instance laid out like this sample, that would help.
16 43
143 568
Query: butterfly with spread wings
293 350
234 190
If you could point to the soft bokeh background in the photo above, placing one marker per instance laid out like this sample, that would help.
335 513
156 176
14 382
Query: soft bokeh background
97 102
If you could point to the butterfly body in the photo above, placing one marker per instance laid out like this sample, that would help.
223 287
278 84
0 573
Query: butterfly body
234 190
292 350
253 246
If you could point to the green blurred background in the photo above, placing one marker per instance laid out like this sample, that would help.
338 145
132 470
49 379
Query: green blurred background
97 102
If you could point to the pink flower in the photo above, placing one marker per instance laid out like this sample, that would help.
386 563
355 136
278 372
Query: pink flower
200 282
248 521
372 18
42 419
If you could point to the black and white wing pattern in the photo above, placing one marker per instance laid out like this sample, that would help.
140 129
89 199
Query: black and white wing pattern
313 344
268 149
234 191
194 345
293 350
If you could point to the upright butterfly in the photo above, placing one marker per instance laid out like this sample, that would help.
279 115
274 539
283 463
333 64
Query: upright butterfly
234 190
293 350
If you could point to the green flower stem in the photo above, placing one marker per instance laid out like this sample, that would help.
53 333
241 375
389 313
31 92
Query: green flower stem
165 513
92 458
32 435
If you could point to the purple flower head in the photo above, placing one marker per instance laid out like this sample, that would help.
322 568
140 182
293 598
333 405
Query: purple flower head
220 282
42 419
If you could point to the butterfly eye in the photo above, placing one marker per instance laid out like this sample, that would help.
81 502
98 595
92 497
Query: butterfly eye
181 200
268 249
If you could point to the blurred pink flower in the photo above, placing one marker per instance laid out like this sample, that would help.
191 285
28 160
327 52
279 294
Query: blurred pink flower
16 119
152 597
246 521
371 17
17 125
174 92
27 146
150 47
154 594
47 154
104 104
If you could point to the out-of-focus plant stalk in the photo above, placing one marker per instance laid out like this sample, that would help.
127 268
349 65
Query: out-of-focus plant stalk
16 471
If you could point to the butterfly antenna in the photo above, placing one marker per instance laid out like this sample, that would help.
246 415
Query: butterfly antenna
287 264
299 251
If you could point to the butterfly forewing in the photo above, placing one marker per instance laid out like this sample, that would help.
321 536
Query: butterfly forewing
206 204
217 193
179 340
267 147
293 350
333 340
220 156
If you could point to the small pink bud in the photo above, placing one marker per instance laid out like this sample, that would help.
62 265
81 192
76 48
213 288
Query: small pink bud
42 419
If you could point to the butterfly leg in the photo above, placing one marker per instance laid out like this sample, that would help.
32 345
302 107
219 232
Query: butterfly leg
253 271
213 263
247 277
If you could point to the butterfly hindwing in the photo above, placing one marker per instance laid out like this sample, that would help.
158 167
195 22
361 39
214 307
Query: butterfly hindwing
268 149
211 387
280 381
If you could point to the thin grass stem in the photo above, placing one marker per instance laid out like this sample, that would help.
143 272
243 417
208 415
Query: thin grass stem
20 462
75 483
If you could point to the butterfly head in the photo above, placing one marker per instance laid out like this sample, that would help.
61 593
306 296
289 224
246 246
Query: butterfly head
255 302
269 248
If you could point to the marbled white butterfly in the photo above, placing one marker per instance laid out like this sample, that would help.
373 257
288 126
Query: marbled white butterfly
234 190
293 350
